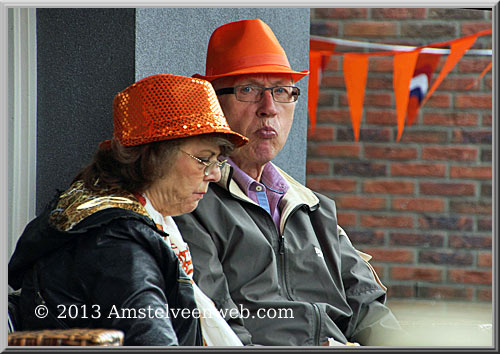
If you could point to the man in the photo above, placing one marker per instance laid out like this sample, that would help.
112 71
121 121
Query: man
266 249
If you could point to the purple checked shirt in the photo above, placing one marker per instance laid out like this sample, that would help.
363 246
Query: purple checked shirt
267 193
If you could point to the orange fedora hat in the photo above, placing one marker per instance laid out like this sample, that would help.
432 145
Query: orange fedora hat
246 47
162 107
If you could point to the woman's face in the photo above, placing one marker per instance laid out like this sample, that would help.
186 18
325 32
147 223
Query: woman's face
181 189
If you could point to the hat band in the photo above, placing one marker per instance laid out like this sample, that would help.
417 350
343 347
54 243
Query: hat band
252 60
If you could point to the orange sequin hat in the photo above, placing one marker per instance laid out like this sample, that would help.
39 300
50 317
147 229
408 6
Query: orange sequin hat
162 107
246 47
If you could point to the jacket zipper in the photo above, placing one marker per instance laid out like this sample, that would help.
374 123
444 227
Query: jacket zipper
317 323
281 250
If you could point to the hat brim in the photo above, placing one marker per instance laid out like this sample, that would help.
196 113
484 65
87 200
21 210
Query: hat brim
261 69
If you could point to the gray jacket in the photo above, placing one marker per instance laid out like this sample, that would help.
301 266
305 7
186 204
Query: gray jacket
296 287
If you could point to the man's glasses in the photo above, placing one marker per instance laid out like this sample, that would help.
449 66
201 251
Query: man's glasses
252 93
209 166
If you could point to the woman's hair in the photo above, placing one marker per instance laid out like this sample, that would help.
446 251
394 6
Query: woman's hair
135 168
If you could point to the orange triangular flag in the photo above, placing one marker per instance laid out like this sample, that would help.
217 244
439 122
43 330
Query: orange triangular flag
486 69
313 91
319 54
457 50
404 66
355 69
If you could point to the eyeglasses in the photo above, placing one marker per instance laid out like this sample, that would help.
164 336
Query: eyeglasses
209 166
252 93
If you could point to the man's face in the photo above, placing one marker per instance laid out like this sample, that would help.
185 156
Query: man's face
266 123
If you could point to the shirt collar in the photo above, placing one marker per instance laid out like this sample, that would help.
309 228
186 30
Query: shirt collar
270 178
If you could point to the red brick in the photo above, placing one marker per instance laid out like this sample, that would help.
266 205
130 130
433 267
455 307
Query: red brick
467 136
470 242
458 84
331 184
460 189
390 255
427 29
436 222
484 224
487 82
416 273
341 13
400 291
379 117
360 203
449 153
380 64
424 136
416 239
333 81
442 258
390 153
419 204
473 101
387 221
333 63
325 99
388 187
484 295
378 100
470 207
487 119
439 100
463 276
336 150
333 116
399 13
317 167
472 64
326 29
346 219
321 133
418 170
445 293
474 172
484 259
458 119
379 83
369 29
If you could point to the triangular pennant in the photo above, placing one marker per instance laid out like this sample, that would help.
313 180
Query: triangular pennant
355 69
419 85
486 69
319 54
457 50
404 67
313 92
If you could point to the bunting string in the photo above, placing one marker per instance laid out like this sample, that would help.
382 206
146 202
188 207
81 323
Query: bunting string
413 68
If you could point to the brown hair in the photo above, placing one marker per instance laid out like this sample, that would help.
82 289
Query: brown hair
135 168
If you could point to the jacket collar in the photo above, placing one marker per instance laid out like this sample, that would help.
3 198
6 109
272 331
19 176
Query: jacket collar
296 195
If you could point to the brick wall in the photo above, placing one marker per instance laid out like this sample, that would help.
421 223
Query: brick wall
422 207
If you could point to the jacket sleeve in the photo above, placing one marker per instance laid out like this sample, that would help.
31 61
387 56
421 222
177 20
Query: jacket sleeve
372 322
209 273
124 279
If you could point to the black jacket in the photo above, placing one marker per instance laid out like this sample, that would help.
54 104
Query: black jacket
112 270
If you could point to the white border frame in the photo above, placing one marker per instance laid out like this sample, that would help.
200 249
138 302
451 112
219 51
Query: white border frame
22 91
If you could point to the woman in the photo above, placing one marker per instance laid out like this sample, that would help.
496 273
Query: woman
106 253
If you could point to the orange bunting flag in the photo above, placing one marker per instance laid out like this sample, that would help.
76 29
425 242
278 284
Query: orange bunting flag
404 67
457 51
486 69
319 55
420 83
355 69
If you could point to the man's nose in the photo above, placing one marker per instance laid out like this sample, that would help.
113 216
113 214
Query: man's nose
267 105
